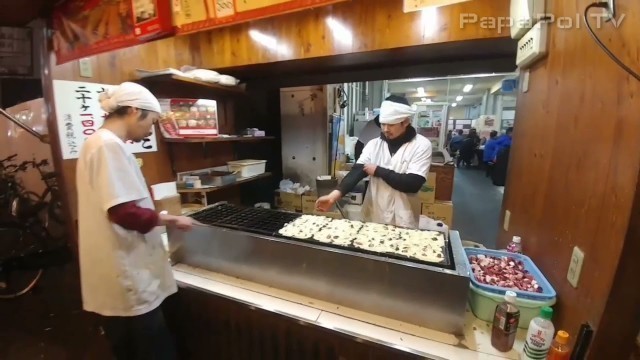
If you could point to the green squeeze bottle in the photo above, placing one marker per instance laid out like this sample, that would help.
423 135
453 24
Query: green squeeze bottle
539 336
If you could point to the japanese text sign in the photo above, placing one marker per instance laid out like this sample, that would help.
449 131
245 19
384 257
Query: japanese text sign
79 115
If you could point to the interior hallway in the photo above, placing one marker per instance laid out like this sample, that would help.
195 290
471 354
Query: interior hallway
476 207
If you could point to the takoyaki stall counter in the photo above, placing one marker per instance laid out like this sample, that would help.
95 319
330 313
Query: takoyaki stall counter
299 265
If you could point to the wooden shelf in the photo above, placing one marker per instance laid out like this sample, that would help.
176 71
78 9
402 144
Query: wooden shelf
238 182
177 80
220 139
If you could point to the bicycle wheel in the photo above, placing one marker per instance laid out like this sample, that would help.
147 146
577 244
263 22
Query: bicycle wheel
14 283
17 283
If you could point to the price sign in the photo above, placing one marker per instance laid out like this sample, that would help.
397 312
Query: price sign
79 115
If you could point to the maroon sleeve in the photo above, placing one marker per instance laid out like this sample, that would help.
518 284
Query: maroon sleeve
133 217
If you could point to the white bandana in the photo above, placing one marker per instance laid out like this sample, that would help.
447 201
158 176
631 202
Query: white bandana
129 94
394 113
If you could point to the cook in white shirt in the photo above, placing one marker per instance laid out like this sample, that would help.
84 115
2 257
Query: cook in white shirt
125 274
397 163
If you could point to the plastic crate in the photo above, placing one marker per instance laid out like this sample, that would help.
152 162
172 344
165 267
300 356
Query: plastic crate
483 304
247 168
548 293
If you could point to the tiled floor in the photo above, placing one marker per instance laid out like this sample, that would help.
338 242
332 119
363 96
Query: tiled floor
48 323
476 207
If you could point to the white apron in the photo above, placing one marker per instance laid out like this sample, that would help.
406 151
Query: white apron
383 204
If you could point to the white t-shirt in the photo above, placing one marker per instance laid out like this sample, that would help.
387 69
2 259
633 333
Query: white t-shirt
122 272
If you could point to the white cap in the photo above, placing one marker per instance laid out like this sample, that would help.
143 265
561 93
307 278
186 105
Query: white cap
394 113
510 297
129 94
516 239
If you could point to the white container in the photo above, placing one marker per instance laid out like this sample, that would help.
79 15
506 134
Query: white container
539 336
483 305
247 168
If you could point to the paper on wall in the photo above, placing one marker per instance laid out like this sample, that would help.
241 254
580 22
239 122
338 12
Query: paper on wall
78 115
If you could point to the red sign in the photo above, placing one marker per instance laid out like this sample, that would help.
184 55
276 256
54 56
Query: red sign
198 15
89 27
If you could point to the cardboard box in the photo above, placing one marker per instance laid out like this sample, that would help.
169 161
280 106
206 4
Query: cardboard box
440 210
288 201
171 204
309 203
428 192
445 174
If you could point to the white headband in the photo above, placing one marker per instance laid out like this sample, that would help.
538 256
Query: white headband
129 94
394 113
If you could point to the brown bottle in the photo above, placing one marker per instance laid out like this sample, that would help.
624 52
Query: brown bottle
505 323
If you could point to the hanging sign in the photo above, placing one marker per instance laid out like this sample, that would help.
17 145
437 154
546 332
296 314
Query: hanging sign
78 115
89 27
417 5
197 15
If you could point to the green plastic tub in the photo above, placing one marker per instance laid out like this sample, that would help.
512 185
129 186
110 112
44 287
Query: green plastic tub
483 304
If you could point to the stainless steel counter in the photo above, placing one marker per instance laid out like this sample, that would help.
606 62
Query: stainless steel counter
419 294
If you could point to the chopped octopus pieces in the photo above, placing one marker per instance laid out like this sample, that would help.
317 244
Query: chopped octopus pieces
504 272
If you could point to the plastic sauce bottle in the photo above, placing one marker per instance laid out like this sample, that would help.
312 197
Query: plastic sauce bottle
515 246
505 323
560 348
539 336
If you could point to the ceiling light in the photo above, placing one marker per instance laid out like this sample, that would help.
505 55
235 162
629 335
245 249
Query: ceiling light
454 104
467 88
420 91
459 98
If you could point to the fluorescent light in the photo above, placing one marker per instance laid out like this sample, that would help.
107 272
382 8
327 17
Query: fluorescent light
269 42
467 88
459 98
340 32
454 104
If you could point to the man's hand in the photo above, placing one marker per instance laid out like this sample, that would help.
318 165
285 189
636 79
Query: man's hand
370 169
324 203
183 223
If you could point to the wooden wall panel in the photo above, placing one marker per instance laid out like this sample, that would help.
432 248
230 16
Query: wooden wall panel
575 161
376 25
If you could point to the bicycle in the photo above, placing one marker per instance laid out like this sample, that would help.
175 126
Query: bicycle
54 215
27 238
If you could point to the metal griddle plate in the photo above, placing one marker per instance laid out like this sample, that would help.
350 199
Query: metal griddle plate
268 222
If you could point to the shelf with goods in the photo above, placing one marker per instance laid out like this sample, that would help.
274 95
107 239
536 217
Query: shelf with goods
202 192
183 82
213 106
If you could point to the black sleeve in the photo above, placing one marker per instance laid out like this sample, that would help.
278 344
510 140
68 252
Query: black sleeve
352 179
406 183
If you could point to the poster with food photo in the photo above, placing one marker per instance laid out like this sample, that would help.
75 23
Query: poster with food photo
183 118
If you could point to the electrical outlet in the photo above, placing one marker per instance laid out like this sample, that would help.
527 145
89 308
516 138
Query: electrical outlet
532 46
85 68
575 266
507 217
525 81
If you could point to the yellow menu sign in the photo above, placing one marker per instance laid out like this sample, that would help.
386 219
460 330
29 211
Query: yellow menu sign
198 15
